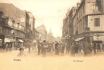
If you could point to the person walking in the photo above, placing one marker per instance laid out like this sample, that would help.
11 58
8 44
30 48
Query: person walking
72 49
98 47
62 49
57 48
44 48
87 48
21 54
6 46
76 47
39 48
103 46
94 48
67 48
29 47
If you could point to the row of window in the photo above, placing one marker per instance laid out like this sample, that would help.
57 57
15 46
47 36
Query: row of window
7 31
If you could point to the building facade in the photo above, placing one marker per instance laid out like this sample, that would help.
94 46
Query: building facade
15 24
65 28
43 33
50 37
31 26
86 21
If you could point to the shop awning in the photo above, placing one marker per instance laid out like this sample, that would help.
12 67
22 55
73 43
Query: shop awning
78 39
34 41
100 38
20 40
7 40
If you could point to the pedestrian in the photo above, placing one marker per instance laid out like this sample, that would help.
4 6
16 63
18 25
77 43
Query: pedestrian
79 47
98 47
103 47
87 48
76 47
57 48
94 47
21 54
6 46
29 47
44 48
72 49
91 47
67 48
62 49
39 48
49 47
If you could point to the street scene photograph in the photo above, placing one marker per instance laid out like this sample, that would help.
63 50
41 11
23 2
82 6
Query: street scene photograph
51 34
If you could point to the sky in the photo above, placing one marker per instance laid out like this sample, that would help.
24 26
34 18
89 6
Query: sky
48 12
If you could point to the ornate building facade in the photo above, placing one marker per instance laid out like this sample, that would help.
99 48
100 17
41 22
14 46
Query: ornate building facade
86 21
15 24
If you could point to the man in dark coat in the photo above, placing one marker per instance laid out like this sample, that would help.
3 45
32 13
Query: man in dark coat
94 48
49 47
39 48
67 48
87 48
103 46
76 47
57 48
44 48
62 49
98 47
72 49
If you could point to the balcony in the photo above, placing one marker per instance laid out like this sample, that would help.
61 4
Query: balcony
11 24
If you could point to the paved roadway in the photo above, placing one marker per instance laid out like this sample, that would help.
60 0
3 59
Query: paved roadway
32 61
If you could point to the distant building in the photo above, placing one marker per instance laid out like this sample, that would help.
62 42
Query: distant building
42 32
58 39
50 37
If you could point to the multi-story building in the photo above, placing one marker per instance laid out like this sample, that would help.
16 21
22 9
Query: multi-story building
85 21
15 24
31 26
88 21
65 28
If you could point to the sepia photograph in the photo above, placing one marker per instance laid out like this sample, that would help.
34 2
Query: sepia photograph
51 34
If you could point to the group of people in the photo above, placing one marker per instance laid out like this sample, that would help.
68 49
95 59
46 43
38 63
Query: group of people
73 48
84 47
45 47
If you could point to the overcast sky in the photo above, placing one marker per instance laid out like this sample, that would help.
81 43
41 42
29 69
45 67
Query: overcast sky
47 12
